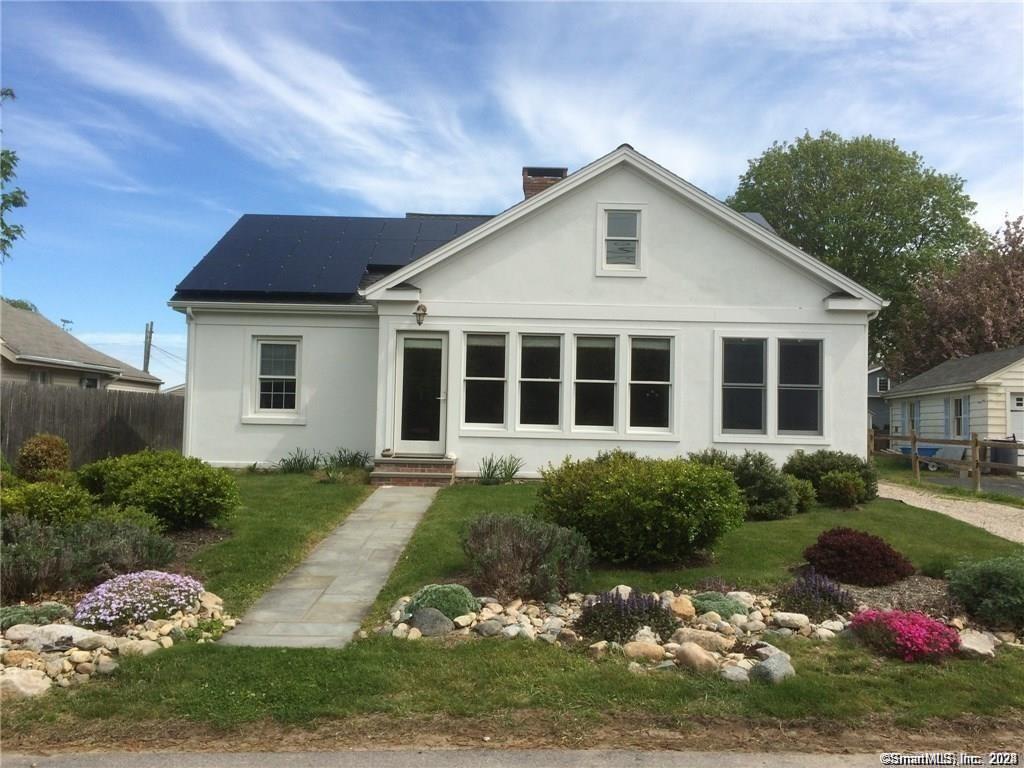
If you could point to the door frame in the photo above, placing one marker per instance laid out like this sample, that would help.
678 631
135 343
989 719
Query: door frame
420 447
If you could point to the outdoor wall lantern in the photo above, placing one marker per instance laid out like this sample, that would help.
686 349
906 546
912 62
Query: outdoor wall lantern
421 314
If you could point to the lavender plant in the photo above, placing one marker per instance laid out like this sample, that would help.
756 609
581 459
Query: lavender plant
136 597
613 617
816 596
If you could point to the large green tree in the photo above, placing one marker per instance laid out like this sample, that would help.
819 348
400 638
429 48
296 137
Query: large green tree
974 306
865 207
10 197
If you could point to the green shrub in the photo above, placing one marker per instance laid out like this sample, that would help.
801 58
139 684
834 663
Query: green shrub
516 556
804 491
182 492
767 492
640 510
43 613
814 466
715 457
991 591
719 603
841 489
36 557
450 599
616 619
42 453
48 502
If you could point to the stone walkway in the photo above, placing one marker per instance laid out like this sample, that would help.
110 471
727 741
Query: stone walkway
322 602
999 519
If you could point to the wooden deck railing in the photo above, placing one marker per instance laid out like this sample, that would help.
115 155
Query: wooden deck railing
974 465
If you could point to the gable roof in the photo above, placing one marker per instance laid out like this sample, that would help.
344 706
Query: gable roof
314 257
31 338
961 370
626 155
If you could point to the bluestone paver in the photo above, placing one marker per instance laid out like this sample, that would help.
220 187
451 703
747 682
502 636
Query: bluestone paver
322 602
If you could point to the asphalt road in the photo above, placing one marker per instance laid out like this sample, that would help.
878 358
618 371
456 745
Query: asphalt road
447 758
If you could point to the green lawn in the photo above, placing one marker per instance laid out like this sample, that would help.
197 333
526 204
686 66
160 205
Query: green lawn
757 554
548 691
896 469
227 687
281 518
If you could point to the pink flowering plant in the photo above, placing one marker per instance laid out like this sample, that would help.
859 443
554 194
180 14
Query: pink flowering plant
136 597
905 635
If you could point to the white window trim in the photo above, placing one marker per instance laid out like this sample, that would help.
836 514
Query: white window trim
483 427
519 379
616 383
601 268
764 388
630 381
878 384
772 434
252 413
958 420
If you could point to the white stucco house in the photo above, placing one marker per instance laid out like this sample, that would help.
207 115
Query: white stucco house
617 306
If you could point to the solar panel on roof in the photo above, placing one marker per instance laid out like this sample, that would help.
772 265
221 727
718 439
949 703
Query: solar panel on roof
270 255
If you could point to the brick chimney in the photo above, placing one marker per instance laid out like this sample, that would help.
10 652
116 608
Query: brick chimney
538 179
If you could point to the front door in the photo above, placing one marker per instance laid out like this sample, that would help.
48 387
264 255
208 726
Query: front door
421 391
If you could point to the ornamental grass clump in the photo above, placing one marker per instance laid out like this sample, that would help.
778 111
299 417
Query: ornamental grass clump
616 618
137 597
909 636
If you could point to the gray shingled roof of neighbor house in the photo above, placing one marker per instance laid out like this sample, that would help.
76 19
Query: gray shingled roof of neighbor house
321 258
962 370
30 335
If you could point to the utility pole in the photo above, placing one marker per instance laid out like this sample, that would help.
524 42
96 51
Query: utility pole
148 346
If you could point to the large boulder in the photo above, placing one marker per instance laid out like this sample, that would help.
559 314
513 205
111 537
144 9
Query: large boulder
138 647
36 637
709 641
431 622
774 669
18 683
791 620
694 658
643 650
682 607
489 628
977 645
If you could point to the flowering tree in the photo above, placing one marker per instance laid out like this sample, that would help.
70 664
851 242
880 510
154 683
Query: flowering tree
972 307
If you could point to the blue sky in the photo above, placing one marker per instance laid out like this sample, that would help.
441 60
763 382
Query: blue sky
144 130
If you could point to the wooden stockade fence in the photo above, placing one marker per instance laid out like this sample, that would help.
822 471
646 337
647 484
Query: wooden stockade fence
95 422
974 464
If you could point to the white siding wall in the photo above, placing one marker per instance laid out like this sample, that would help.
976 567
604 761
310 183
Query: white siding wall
337 383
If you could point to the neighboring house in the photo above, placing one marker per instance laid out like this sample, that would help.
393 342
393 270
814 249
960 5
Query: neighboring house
177 389
618 306
34 349
983 394
878 410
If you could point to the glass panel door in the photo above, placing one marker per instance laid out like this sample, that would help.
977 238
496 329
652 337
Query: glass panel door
421 379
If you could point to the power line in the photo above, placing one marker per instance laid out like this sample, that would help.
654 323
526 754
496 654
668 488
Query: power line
176 357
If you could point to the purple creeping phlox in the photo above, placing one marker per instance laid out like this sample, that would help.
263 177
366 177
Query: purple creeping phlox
136 597
905 635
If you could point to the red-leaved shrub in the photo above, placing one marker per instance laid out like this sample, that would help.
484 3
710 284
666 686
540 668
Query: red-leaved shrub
907 636
856 557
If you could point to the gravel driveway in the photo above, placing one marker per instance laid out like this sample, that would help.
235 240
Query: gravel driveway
1000 519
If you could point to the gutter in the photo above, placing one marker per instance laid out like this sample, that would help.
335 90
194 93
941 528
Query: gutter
189 307
68 364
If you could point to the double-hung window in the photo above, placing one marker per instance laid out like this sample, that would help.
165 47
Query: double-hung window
882 385
800 386
912 415
650 376
595 381
622 239
958 417
277 376
744 388
540 380
485 379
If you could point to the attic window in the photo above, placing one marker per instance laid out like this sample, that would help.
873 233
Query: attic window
619 239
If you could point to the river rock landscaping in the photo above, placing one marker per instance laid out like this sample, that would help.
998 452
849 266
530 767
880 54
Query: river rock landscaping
36 657
738 646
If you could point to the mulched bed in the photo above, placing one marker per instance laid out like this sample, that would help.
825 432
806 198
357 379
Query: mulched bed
916 593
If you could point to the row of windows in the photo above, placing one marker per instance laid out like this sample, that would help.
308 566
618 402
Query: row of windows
540 380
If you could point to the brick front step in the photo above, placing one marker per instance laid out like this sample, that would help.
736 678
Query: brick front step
411 470
392 477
